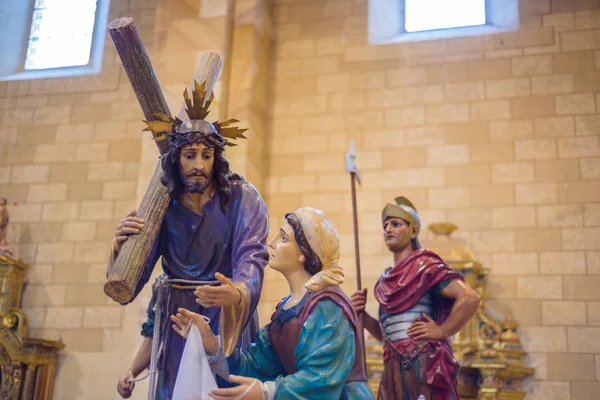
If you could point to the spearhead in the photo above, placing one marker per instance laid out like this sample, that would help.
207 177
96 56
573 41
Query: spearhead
351 167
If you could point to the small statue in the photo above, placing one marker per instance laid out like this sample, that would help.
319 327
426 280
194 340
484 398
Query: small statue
4 218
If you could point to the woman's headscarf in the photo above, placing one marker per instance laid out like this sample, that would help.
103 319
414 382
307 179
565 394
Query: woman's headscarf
323 240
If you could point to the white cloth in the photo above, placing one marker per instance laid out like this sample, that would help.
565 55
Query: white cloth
195 378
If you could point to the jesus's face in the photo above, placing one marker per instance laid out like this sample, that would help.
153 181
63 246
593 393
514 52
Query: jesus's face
196 162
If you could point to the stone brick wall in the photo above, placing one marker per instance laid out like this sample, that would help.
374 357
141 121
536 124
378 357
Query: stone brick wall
249 89
69 164
498 134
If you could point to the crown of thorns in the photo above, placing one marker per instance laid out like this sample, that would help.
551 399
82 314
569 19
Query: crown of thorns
197 109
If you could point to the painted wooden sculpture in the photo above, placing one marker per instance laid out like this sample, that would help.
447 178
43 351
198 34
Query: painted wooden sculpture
491 358
422 303
208 225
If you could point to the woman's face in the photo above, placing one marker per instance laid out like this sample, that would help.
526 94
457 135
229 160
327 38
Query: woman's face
284 253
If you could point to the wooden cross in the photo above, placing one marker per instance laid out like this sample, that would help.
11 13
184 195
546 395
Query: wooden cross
131 261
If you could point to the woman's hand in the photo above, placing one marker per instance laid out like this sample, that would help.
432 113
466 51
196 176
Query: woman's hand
249 388
181 321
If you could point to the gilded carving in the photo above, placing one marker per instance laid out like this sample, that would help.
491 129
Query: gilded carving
19 354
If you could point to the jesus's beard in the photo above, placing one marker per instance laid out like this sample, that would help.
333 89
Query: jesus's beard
194 186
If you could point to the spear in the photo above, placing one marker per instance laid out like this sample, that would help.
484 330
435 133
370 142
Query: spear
352 169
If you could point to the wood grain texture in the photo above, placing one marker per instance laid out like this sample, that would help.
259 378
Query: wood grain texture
131 261
138 67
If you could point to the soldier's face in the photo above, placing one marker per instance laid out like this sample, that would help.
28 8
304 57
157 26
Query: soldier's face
397 234
284 253
196 162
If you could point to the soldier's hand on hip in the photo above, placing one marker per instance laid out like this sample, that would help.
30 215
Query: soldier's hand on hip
130 225
426 329
225 295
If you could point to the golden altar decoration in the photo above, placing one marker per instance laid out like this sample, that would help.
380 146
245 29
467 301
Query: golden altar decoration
490 353
27 365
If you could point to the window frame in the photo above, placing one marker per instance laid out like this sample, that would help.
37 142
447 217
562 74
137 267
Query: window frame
387 22
94 65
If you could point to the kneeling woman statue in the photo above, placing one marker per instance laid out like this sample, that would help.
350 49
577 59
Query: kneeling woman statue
311 347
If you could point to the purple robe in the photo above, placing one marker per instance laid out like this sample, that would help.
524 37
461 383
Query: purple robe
195 247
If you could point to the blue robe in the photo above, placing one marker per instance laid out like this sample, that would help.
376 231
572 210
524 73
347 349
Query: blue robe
195 247
324 357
